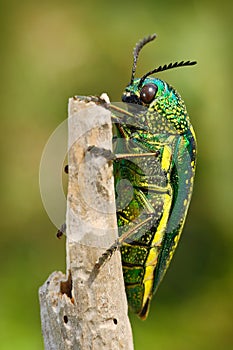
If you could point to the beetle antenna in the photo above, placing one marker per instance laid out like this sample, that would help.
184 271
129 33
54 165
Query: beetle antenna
166 67
136 51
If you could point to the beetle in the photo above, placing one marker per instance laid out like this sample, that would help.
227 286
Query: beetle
154 166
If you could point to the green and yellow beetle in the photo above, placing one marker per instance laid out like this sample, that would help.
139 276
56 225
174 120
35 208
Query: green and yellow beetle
154 167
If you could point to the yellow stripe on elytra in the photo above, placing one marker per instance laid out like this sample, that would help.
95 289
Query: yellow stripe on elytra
166 158
158 237
154 251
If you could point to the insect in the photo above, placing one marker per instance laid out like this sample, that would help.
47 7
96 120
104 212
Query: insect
154 167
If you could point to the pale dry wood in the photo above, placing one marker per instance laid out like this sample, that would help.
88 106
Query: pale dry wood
79 311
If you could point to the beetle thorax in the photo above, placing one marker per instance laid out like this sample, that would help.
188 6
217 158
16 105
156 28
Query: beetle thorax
171 107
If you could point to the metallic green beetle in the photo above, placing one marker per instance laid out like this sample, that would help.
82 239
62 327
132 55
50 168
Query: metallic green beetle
154 169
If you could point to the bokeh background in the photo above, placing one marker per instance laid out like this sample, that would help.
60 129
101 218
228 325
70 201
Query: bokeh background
51 50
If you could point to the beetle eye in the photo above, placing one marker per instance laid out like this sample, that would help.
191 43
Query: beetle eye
148 93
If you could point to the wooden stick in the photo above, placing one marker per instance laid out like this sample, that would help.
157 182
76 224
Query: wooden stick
79 312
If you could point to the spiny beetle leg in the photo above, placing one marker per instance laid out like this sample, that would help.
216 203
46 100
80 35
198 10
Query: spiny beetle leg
97 99
107 254
101 152
109 155
116 245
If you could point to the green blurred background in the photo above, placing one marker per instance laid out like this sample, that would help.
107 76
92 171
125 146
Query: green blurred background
51 50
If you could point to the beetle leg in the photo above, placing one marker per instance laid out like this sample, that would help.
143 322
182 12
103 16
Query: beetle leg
61 231
109 155
109 252
101 100
137 155
103 152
